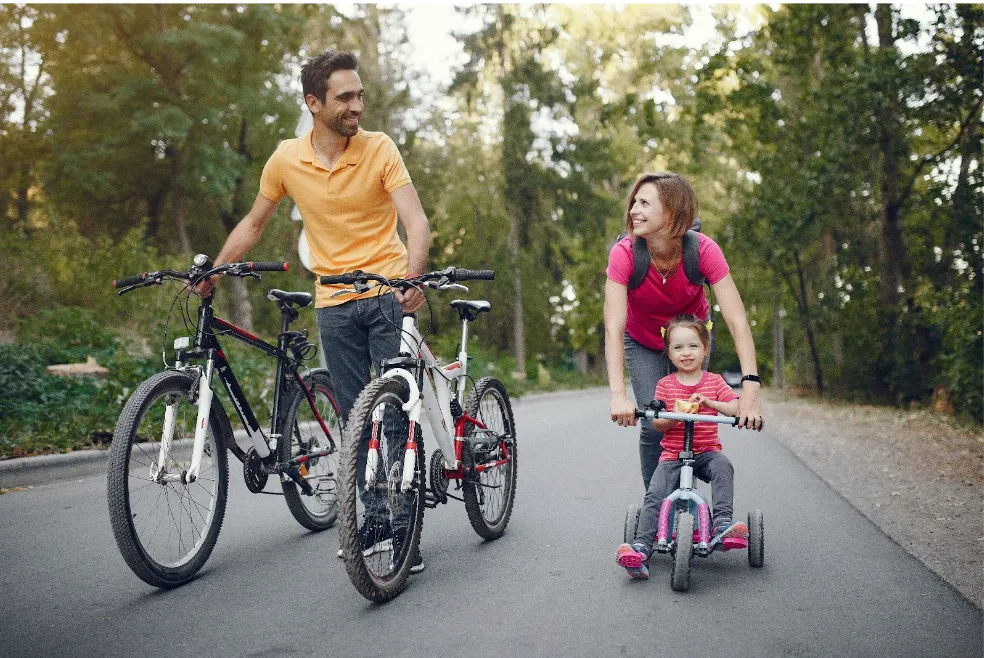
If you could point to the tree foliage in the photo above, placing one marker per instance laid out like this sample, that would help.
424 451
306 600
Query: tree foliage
835 149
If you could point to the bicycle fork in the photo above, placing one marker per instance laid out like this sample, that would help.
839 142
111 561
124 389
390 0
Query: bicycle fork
373 458
158 471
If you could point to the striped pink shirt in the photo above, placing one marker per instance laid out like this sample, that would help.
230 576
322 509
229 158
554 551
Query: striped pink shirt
669 390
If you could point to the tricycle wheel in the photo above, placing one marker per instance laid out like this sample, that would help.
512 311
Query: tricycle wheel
756 539
631 523
683 549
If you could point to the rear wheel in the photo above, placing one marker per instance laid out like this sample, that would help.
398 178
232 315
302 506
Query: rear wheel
680 575
379 521
490 457
165 527
312 427
631 524
756 538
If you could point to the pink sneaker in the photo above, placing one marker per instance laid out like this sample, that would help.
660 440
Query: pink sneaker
732 535
634 560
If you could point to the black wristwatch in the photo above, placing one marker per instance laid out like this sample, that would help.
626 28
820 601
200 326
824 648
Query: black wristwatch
751 378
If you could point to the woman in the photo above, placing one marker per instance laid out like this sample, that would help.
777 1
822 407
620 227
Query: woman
660 209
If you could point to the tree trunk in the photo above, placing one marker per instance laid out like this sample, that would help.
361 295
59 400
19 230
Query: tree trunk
778 351
892 254
804 307
519 335
240 308
177 205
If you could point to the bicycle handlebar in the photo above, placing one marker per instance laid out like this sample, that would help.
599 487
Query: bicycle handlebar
198 273
447 275
269 267
657 409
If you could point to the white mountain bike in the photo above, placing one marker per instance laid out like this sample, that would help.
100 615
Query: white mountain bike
382 488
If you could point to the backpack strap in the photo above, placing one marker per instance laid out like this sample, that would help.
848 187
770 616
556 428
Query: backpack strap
691 258
640 263
691 267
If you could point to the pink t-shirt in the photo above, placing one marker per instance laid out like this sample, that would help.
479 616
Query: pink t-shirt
713 387
653 304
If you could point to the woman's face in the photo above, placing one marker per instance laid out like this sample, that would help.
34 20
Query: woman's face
685 349
646 212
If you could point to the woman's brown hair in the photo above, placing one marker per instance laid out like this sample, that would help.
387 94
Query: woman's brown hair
675 195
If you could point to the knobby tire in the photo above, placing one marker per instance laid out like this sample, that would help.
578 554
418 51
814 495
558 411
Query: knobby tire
489 403
185 518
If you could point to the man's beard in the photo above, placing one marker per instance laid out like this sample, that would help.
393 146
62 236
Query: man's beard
344 129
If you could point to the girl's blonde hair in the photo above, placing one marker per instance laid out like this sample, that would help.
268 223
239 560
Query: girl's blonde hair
688 322
675 195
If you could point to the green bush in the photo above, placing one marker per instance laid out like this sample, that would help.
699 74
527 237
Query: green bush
44 413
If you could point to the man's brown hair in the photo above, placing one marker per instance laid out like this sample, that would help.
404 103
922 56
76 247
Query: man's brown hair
316 71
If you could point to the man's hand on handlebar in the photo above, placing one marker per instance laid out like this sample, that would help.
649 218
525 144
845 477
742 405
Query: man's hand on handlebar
410 300
205 287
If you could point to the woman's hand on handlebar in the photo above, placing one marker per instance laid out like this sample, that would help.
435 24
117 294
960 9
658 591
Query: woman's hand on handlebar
622 410
750 410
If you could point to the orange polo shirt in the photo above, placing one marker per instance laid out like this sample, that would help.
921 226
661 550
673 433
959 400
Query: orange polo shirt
349 216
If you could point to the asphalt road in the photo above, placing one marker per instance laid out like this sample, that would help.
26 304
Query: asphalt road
832 585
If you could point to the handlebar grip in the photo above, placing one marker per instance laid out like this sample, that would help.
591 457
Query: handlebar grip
128 281
344 279
475 275
269 267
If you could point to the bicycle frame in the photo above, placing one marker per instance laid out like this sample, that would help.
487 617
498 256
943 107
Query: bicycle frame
206 346
435 399
686 496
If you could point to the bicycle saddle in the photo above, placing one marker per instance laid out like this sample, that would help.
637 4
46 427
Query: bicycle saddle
302 299
469 310
477 307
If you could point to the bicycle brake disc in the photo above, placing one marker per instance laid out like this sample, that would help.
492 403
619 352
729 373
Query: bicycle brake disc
394 486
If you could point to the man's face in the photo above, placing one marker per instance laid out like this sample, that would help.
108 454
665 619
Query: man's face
343 104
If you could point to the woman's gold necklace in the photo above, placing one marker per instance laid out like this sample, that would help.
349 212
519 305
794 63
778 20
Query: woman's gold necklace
658 271
668 272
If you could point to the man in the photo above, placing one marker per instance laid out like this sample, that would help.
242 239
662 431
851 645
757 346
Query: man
351 187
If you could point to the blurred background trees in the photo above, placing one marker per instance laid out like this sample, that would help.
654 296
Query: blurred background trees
835 149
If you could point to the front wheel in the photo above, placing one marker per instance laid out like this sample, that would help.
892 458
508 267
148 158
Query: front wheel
490 459
631 524
756 538
379 521
312 428
164 527
680 575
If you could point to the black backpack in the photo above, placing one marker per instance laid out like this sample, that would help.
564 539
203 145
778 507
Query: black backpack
691 267
691 259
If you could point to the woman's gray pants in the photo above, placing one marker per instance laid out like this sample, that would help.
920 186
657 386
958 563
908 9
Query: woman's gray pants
646 367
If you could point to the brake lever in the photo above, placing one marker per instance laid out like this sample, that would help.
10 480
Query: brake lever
149 282
357 289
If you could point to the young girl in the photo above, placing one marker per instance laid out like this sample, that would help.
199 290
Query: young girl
690 390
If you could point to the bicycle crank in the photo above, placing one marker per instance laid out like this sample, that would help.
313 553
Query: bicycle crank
439 481
253 471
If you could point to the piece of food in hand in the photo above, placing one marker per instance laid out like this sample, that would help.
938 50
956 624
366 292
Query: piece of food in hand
685 407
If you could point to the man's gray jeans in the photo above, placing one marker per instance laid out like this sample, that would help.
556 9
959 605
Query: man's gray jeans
355 337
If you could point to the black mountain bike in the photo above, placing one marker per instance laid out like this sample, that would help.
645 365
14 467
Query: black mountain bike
168 466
